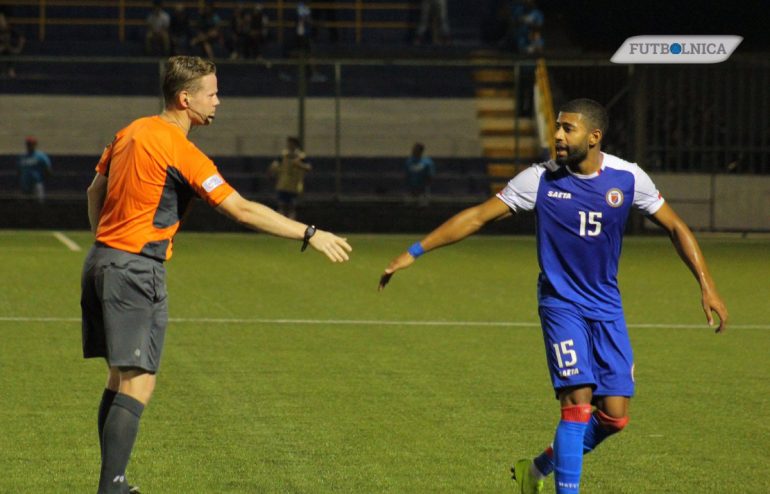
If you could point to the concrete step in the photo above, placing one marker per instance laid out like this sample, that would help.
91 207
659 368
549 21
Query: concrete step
495 107
495 103
494 76
504 170
497 126
506 147
494 92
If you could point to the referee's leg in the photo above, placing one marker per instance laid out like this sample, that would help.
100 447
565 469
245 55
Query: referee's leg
122 425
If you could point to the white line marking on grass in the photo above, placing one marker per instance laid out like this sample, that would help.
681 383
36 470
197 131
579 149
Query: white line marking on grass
68 242
374 322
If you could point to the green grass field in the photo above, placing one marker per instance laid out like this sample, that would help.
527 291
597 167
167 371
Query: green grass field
284 373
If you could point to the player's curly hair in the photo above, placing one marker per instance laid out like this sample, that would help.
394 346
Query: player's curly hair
184 73
593 111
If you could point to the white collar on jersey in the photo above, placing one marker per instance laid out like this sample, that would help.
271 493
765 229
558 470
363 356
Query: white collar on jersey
590 175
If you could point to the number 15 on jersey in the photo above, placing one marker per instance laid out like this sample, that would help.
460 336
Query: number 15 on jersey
590 224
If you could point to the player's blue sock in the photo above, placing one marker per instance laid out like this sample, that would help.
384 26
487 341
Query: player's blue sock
599 428
568 448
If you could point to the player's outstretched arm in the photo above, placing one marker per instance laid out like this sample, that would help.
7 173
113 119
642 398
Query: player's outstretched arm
461 225
688 249
260 217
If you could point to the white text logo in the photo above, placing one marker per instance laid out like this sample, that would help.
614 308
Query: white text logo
559 195
676 49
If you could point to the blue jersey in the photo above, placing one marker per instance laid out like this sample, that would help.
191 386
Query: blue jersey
419 171
580 225
33 167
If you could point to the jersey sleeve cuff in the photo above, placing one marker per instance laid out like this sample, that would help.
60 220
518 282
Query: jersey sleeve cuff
507 202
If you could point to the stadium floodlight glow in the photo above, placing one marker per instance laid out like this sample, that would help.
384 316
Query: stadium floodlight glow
677 49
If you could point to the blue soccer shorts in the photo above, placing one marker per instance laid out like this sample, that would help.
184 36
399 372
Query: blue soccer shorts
584 352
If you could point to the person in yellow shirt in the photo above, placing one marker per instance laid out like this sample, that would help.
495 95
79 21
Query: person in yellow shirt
289 173
144 183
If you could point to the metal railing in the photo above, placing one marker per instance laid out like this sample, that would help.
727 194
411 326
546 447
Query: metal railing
126 13
706 119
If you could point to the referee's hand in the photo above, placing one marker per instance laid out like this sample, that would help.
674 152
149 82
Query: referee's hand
334 247
401 262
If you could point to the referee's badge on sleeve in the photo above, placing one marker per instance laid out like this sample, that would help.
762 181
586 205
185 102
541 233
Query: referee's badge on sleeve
212 182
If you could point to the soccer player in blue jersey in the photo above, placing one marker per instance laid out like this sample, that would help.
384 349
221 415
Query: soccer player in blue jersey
582 201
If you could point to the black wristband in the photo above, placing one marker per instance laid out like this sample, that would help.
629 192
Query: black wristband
309 232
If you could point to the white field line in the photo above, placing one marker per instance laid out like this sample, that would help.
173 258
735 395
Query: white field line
374 322
68 242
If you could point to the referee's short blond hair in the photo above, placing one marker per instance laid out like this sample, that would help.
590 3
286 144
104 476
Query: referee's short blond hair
183 73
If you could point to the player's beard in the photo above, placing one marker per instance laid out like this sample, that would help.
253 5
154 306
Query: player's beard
574 156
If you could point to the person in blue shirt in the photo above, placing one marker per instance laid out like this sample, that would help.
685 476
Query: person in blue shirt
34 168
419 170
582 201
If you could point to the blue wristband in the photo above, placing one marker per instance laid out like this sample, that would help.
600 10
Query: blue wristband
416 250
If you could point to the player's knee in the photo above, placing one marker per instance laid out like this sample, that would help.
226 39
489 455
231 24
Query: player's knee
576 413
611 424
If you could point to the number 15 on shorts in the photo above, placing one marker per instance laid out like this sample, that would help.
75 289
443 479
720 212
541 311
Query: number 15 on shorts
565 355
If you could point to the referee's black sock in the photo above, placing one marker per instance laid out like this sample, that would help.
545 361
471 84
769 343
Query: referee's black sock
120 431
104 408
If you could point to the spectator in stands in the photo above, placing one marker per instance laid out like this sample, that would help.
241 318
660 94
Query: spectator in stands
531 22
258 32
420 170
327 17
248 32
207 32
289 173
536 43
179 30
238 33
302 42
11 43
158 24
433 13
304 29
524 33
34 168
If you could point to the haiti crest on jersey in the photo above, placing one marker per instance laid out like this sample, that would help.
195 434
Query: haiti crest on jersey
614 198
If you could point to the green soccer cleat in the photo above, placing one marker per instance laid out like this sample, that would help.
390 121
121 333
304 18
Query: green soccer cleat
526 482
133 489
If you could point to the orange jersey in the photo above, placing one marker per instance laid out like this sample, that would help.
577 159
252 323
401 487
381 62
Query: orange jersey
153 172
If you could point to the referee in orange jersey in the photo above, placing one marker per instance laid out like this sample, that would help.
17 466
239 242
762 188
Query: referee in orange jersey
144 182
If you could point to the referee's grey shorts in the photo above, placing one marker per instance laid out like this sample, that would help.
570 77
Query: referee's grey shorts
124 307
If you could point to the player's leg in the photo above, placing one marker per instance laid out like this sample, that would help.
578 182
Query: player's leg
291 207
567 342
613 371
568 440
39 192
610 417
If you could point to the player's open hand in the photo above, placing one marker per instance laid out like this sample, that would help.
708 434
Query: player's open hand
401 262
334 247
712 302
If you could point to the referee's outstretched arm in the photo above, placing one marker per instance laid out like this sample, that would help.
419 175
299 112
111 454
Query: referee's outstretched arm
260 217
